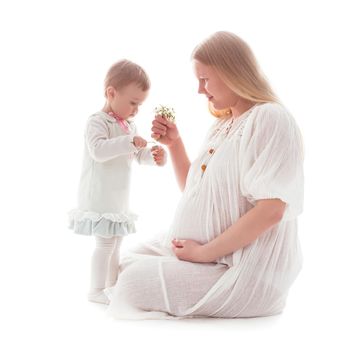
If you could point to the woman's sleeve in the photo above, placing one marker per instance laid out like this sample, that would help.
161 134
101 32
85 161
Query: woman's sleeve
271 159
102 148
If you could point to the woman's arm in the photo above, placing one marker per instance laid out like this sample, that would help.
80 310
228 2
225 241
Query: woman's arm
267 213
180 161
166 133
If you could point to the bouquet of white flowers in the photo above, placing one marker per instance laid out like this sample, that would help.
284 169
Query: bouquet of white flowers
166 112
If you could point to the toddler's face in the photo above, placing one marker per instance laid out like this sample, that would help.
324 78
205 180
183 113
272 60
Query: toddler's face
126 101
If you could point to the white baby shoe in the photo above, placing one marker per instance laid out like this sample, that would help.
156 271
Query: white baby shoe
99 297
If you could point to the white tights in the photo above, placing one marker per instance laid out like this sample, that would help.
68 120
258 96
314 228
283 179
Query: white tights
105 263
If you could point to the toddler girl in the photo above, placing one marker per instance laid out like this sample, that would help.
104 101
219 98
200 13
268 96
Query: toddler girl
111 143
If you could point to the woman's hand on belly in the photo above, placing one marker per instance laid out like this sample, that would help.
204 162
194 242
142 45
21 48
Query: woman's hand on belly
189 250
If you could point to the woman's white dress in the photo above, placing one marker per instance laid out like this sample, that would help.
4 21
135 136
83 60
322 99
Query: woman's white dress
258 155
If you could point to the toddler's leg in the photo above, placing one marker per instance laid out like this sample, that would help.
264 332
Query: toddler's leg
113 268
99 268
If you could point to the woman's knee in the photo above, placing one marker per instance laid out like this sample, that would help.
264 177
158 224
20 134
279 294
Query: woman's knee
138 284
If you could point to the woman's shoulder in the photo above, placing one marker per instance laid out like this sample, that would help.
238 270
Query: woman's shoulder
271 113
273 109
271 120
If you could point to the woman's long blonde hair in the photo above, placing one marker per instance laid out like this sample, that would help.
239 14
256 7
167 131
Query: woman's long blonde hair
236 66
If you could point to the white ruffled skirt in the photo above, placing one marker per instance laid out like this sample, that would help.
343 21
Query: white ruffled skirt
105 225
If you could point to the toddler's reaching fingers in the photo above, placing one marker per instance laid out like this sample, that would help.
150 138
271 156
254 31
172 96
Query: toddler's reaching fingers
139 142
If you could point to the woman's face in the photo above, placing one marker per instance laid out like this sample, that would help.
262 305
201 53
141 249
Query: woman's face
213 87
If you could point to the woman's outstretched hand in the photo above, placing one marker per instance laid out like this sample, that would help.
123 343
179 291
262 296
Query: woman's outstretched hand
164 131
189 250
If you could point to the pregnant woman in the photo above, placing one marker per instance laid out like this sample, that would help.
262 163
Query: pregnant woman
232 249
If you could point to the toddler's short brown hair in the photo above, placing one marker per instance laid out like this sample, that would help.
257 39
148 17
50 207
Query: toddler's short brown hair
125 72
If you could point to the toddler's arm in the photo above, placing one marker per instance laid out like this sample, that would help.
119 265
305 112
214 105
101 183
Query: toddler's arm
102 148
152 156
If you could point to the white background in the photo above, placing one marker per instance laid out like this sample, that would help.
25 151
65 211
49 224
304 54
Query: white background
54 56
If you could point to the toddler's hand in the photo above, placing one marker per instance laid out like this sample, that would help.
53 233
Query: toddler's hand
139 142
159 155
